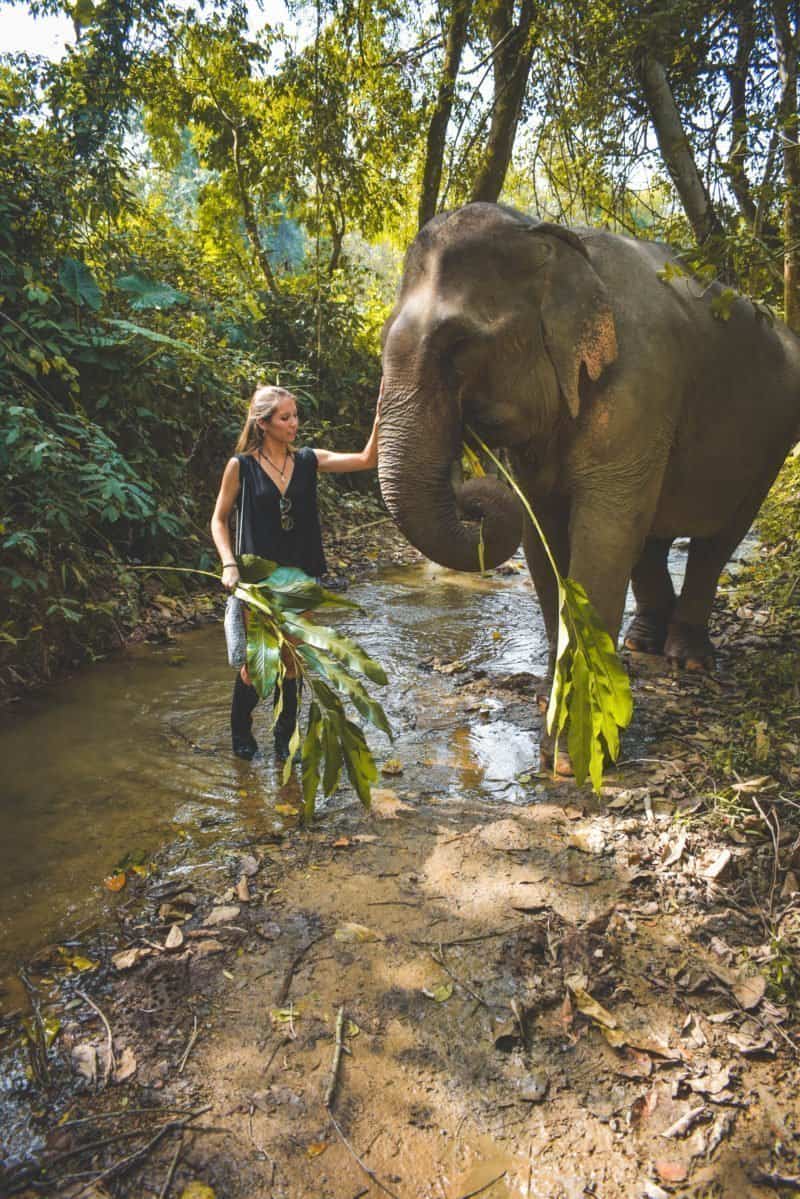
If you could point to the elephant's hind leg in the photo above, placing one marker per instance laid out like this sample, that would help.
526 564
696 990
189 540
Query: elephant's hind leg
655 599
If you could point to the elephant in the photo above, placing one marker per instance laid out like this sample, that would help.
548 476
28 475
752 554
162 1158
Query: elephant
636 404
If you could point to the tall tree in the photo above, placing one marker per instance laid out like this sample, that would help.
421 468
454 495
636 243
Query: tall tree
511 31
786 40
456 22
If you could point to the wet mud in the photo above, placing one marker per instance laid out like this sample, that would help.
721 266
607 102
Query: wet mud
491 984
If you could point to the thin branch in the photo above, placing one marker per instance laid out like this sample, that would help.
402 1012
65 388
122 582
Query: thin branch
110 1059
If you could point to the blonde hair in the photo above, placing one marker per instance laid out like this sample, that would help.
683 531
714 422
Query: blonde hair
264 401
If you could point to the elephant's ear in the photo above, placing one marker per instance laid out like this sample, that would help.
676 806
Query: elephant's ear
576 317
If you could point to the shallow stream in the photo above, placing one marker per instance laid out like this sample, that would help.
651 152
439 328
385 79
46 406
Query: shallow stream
134 752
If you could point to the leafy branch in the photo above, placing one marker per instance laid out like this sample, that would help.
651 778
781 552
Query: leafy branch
590 695
282 642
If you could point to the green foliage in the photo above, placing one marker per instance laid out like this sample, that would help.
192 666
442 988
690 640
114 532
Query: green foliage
326 660
590 696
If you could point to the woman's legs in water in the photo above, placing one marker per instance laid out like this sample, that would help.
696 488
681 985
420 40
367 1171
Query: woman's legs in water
243 703
245 698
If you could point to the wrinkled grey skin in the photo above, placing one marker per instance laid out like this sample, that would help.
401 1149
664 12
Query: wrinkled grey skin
632 415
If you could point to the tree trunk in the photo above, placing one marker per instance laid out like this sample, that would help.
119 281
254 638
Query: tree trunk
440 118
250 222
736 163
675 148
786 45
512 64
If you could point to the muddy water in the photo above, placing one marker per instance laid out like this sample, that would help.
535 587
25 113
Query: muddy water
135 752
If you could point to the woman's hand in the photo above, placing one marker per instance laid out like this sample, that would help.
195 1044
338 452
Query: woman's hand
230 577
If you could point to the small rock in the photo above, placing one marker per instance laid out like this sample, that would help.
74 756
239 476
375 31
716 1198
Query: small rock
534 1087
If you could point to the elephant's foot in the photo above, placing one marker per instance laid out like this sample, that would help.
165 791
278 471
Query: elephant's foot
561 767
689 646
557 764
647 632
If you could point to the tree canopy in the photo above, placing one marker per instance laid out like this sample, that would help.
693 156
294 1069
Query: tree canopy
192 201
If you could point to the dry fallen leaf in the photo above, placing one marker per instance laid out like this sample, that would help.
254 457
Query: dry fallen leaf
676 851
202 949
248 864
242 890
669 1171
84 1059
174 938
129 957
713 869
588 1006
126 1065
343 842
750 991
221 915
316 1148
356 932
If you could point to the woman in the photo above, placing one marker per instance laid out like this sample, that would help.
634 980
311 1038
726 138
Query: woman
274 488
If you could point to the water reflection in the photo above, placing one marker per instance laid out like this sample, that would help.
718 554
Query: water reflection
131 752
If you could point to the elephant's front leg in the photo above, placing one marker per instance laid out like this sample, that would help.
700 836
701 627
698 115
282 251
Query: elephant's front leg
655 598
605 542
553 516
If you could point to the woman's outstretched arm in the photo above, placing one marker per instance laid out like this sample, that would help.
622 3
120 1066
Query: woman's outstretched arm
331 462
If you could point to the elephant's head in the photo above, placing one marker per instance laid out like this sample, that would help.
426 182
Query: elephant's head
497 319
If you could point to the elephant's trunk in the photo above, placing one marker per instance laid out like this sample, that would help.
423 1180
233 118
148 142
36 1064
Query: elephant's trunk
420 437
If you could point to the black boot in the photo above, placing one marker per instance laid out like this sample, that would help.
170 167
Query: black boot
244 701
286 722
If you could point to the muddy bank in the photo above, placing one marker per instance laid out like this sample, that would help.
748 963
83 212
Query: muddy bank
557 996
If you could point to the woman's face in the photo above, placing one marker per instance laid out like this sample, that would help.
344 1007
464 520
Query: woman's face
282 425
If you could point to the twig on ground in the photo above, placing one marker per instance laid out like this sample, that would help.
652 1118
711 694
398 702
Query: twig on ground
41 1066
282 1043
162 1194
369 1173
500 932
111 1063
189 1047
122 1166
775 836
685 1122
439 959
285 986
484 1186
788 1181
337 1057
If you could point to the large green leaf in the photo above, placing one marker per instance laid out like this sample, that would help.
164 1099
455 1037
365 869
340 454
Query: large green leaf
591 693
359 763
369 708
253 569
151 335
333 755
144 293
293 589
79 283
341 647
263 653
312 760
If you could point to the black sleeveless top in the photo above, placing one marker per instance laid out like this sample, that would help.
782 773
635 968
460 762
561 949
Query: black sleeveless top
260 514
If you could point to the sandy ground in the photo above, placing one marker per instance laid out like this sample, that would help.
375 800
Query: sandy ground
579 996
